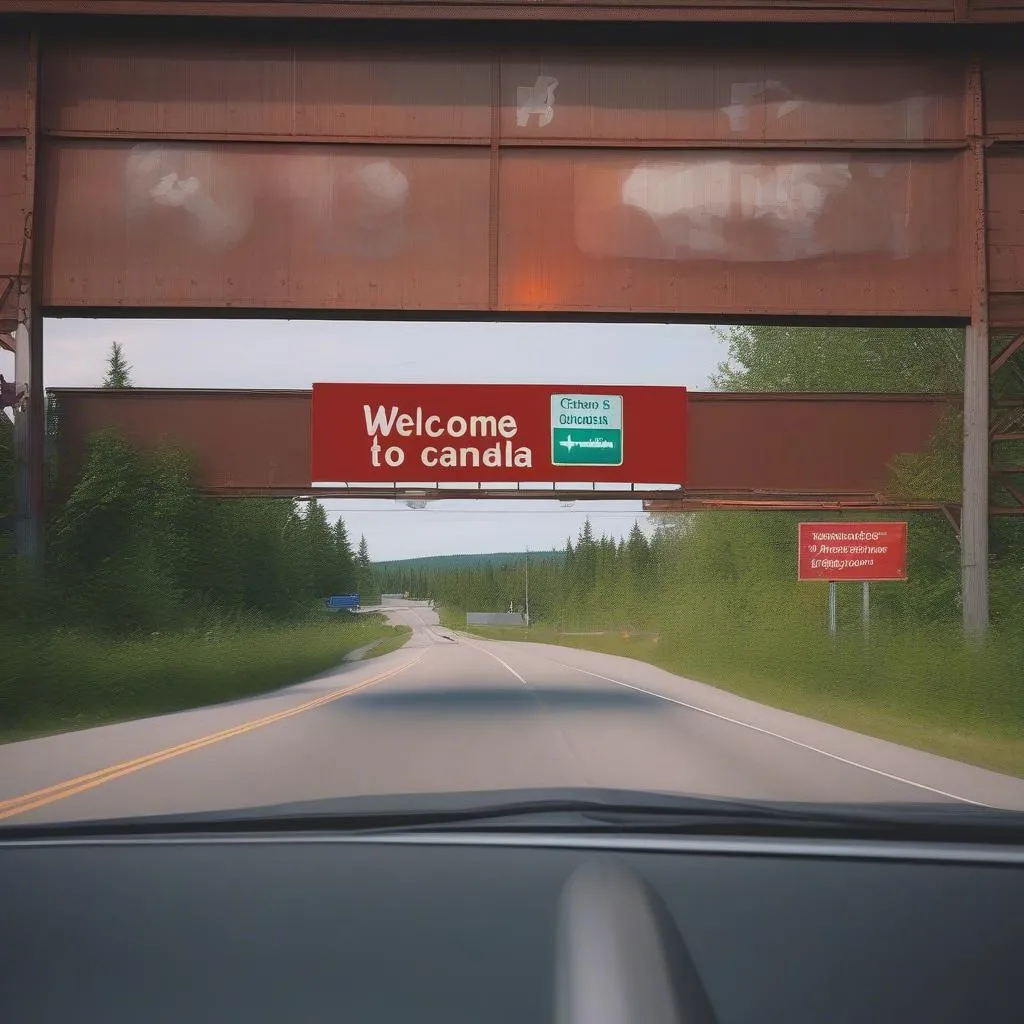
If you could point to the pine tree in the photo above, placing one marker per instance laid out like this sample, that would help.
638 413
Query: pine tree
320 551
344 560
364 573
118 368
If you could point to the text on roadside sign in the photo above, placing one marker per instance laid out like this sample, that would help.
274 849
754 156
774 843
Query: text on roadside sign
852 551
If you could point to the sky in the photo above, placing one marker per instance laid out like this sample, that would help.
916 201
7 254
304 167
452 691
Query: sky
294 354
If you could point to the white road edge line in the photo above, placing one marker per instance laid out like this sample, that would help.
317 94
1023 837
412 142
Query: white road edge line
753 728
746 725
505 664
778 736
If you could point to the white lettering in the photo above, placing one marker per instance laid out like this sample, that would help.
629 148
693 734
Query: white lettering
404 425
507 426
380 423
429 456
448 457
394 456
483 426
456 426
434 431
492 456
469 456
524 458
375 451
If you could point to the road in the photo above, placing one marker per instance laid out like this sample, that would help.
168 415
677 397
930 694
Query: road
456 713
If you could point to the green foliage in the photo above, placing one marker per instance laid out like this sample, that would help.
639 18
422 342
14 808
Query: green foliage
118 370
136 548
926 360
66 678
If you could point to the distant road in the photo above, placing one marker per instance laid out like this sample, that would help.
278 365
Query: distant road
448 712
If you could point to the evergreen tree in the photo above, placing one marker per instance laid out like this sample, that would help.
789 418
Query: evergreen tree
344 560
118 369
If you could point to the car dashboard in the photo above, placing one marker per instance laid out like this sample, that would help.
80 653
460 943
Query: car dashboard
507 929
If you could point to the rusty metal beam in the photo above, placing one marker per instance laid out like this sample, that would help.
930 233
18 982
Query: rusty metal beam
1006 354
743 446
750 10
793 11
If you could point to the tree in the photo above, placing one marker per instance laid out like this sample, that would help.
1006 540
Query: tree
118 368
638 557
364 574
344 560
320 552
915 360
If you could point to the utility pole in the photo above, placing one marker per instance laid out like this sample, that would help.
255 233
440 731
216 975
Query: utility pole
974 549
527 586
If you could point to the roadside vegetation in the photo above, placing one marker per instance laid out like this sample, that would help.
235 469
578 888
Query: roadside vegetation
156 599
714 595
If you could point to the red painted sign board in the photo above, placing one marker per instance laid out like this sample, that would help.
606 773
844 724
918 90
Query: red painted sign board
852 551
498 433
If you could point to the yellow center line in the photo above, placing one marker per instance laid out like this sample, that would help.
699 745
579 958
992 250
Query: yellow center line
81 783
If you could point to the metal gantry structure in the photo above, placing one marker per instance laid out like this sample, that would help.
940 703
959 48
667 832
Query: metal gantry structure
698 160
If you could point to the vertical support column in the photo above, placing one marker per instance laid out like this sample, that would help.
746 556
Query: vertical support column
493 289
975 508
30 415
865 608
833 608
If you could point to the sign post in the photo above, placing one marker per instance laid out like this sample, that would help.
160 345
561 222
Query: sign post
856 552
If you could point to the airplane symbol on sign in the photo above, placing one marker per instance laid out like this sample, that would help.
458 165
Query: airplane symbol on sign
569 443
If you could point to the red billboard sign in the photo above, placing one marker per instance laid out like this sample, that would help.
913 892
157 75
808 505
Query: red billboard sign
852 551
498 433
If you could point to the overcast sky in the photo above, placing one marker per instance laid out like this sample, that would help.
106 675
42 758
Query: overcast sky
282 354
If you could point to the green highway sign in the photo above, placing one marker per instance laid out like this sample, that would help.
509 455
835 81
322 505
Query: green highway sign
586 430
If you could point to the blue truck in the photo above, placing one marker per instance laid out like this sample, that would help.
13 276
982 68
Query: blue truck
343 601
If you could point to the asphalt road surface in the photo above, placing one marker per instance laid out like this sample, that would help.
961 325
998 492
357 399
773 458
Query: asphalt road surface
452 713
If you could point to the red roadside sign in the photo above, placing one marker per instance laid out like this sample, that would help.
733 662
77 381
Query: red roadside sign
852 551
498 433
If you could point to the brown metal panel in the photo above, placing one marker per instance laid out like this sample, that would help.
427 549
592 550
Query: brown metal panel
1006 310
14 50
672 95
812 443
266 226
991 6
12 218
840 11
1005 199
178 88
728 233
241 439
827 445
1004 87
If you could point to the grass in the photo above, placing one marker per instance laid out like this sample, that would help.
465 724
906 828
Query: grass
389 643
72 680
922 688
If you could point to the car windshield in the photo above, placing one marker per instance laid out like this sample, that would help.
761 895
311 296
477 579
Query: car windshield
460 424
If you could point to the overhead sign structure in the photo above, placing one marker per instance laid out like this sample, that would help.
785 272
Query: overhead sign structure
498 433
857 552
